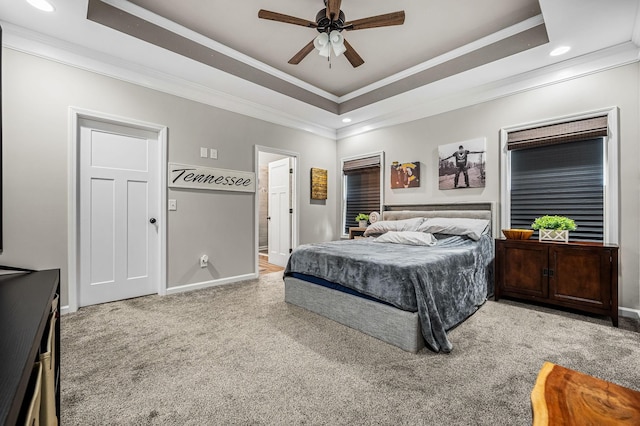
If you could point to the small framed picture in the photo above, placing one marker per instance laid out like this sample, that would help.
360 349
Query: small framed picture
405 175
318 184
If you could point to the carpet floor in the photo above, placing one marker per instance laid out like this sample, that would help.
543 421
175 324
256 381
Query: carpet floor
238 354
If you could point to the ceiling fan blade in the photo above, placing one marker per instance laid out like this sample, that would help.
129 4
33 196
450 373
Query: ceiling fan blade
333 9
352 56
386 20
275 16
302 54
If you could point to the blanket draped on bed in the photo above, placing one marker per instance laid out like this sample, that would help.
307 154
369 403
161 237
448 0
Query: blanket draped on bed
445 283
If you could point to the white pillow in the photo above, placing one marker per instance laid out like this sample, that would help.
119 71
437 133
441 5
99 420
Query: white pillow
473 228
383 226
413 238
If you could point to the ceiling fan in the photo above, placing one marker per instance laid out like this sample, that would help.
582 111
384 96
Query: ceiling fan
330 22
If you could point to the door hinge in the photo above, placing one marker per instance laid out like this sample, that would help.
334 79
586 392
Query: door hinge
291 171
290 250
291 211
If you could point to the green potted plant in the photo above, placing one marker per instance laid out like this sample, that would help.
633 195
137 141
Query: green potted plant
362 219
554 228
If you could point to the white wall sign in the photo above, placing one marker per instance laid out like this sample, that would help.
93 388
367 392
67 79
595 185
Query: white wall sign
195 177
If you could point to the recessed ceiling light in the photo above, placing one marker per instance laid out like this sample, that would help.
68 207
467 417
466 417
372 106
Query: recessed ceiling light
561 50
43 5
346 120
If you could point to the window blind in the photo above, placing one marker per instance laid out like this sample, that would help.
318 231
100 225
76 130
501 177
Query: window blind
571 131
357 165
363 194
566 180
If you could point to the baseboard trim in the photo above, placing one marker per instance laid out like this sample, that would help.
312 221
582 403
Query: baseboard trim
64 310
212 283
629 313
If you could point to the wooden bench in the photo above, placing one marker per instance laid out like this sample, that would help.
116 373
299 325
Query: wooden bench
566 397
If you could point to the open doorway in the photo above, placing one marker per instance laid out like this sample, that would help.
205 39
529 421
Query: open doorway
276 208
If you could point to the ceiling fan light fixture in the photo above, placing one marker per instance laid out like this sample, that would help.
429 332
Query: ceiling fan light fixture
330 22
337 42
322 44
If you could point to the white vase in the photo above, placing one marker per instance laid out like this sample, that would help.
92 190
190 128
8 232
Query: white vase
362 224
553 235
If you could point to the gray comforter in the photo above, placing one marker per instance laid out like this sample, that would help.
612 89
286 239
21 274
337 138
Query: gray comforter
445 283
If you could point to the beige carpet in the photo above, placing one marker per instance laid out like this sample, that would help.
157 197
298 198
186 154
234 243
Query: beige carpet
238 354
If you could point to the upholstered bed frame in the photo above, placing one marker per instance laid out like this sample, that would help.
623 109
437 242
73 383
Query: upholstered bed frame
384 322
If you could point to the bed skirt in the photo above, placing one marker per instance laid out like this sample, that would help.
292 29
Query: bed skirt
397 327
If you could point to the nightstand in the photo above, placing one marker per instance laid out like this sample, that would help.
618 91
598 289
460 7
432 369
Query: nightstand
356 232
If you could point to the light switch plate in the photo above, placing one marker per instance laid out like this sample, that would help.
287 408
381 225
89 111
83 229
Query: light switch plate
173 205
204 152
213 153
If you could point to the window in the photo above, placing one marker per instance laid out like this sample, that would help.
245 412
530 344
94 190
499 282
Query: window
563 169
362 187
565 179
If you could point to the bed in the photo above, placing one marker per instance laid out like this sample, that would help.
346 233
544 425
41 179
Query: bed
404 294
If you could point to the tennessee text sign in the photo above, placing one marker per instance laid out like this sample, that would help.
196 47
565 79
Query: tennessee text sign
182 176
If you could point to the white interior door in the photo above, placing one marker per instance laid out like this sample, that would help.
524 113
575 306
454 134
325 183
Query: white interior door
279 215
119 206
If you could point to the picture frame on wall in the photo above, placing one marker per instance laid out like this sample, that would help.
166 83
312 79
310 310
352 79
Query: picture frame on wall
318 184
405 175
462 164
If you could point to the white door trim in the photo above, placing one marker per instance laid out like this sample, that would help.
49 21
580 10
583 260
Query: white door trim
295 202
279 222
75 115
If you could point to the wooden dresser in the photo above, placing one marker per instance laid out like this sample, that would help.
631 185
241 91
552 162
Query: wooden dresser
25 309
577 275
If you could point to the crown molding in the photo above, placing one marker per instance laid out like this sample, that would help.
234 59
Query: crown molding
442 97
456 53
458 91
149 16
37 44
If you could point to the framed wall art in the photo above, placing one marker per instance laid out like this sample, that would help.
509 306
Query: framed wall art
405 175
318 184
462 164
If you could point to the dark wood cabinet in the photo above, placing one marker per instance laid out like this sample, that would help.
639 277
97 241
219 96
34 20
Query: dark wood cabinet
25 314
576 275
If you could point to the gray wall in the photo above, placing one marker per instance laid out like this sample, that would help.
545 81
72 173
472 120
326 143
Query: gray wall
37 94
419 140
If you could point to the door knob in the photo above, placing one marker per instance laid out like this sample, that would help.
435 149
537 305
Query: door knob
152 220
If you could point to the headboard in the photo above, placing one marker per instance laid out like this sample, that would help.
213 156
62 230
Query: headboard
466 210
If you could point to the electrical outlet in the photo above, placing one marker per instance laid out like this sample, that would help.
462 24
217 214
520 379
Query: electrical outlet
204 152
213 153
173 205
204 259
